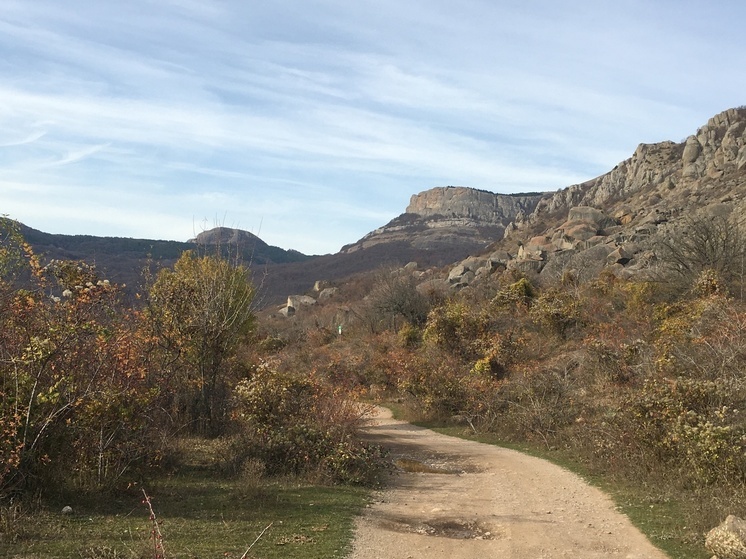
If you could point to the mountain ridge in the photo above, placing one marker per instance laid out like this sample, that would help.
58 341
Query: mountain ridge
641 199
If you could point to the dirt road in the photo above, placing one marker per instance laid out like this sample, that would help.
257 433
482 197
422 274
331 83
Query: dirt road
473 501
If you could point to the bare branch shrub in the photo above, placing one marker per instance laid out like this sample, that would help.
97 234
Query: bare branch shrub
395 295
713 243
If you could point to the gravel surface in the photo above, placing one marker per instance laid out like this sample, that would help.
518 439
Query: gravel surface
465 500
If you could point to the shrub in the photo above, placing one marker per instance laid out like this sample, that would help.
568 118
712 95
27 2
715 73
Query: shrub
456 328
198 313
689 426
537 404
706 243
555 311
518 294
296 424
435 382
395 295
410 336
79 407
499 350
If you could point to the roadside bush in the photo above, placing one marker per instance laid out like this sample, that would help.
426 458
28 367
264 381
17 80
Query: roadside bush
79 407
691 426
434 384
537 404
296 424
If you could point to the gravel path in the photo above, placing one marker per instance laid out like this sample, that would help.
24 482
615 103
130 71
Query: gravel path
470 501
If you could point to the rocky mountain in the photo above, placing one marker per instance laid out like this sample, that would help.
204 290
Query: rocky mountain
451 218
618 221
643 199
622 219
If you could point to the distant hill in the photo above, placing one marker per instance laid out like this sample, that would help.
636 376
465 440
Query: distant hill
122 260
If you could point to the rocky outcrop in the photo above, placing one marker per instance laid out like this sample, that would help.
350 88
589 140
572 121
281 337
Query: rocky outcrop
717 147
678 173
642 199
728 541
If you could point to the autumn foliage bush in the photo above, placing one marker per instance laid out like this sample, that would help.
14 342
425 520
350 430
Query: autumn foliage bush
93 394
79 405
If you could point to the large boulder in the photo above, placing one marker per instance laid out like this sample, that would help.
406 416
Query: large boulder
591 215
580 230
728 541
456 273
328 293
296 301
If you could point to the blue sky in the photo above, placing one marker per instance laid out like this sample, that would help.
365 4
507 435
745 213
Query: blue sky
312 122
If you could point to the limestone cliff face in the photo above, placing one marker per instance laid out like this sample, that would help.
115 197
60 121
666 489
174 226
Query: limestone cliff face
716 148
618 219
451 219
470 205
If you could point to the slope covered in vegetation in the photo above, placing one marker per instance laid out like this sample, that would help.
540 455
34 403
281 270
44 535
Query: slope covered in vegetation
638 381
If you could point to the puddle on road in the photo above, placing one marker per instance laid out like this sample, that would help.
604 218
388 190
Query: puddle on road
440 528
412 466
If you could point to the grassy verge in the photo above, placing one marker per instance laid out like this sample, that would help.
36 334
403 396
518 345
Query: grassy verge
201 514
665 518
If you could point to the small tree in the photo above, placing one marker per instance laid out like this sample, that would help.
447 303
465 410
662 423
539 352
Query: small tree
199 312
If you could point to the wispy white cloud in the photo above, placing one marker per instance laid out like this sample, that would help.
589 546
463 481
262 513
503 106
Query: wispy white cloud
30 138
74 156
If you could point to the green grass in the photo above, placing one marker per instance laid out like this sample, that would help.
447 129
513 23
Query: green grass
201 514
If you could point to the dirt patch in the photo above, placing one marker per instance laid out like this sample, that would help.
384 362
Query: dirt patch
459 499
